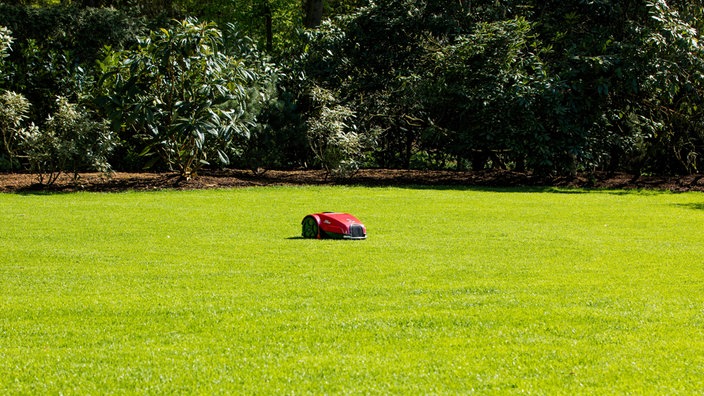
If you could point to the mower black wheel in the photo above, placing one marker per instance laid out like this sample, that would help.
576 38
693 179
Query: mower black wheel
310 228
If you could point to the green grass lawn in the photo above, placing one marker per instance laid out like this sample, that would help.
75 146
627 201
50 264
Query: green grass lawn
454 291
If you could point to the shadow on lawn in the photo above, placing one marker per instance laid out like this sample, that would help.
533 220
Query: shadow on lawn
38 189
694 206
502 189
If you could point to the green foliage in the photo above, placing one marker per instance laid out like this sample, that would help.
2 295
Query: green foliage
435 79
183 93
14 109
547 86
272 24
629 74
44 73
331 135
5 44
324 128
455 291
56 48
675 61
68 142
277 140
486 94
361 62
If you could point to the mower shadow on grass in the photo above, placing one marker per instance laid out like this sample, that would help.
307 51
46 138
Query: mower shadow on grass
300 238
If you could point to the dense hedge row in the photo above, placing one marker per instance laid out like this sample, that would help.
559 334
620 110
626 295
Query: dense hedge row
547 86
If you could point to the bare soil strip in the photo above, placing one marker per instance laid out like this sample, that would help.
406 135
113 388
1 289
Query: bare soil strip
122 181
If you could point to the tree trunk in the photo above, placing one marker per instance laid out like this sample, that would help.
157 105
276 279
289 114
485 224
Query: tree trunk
313 13
269 27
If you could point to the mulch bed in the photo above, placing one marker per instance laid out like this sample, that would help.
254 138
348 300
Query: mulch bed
121 181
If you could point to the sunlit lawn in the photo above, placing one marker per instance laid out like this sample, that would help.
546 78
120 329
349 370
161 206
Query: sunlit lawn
454 291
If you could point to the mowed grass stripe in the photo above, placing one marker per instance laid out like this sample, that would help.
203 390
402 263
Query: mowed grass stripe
454 291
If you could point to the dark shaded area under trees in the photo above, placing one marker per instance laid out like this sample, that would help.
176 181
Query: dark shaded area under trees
548 87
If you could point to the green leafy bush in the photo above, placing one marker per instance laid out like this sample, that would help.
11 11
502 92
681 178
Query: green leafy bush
332 135
13 113
183 94
5 43
69 142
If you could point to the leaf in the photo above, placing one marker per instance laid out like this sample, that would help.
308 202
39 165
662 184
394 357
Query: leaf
224 159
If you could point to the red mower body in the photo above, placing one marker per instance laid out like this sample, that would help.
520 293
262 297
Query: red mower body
333 225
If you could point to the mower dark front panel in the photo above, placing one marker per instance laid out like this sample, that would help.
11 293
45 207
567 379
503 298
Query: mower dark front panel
357 232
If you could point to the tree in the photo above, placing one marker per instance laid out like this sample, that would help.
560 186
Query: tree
183 94
313 13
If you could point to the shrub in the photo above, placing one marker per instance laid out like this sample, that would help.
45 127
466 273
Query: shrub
69 142
183 94
5 42
13 112
332 135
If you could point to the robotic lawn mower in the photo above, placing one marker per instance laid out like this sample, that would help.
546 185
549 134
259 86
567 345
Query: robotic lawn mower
333 225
